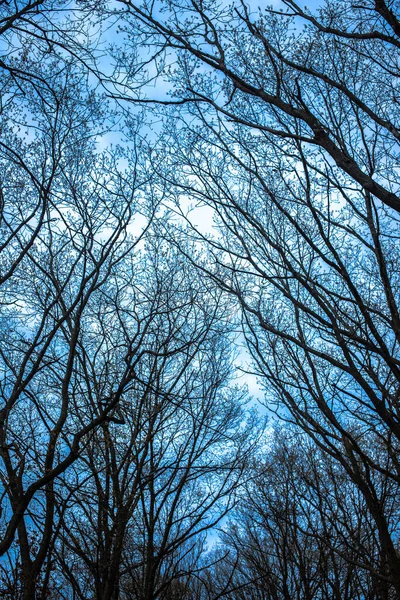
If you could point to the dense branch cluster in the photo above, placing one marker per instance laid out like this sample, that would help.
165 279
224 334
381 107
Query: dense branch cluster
133 464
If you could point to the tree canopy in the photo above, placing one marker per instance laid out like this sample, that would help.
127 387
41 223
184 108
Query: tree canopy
133 462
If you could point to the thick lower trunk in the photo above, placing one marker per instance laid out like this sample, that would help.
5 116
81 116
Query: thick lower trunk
390 556
109 592
109 588
28 587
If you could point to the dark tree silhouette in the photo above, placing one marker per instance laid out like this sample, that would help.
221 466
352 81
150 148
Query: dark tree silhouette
290 135
302 530
151 481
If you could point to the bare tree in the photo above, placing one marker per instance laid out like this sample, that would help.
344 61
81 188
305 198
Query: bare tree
67 210
286 125
291 136
98 358
302 530
308 86
165 469
44 45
